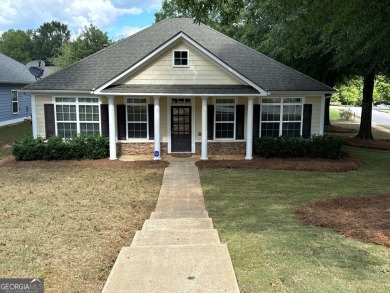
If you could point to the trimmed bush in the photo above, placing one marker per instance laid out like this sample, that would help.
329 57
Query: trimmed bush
55 148
325 147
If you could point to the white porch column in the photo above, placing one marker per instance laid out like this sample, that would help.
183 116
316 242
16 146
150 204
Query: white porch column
204 129
111 125
249 130
322 117
34 117
157 141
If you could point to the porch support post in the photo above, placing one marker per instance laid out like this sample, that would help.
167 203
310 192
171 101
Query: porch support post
322 116
157 142
111 125
34 117
204 129
249 130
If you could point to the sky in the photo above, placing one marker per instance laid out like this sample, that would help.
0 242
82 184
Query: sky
117 18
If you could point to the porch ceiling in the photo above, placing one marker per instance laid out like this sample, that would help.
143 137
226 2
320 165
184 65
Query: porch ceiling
182 89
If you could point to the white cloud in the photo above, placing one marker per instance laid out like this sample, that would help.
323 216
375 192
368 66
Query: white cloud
30 14
127 31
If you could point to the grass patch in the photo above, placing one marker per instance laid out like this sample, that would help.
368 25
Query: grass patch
67 224
334 114
273 251
11 133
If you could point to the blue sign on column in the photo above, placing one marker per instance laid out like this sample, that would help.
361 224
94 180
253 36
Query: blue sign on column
156 154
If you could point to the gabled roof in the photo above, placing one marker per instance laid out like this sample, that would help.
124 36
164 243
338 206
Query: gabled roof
11 71
109 63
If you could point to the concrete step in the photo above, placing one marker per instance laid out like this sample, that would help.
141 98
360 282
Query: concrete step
179 237
177 224
179 214
166 205
180 193
173 269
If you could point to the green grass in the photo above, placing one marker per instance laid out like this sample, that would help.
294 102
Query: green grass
272 251
10 133
334 114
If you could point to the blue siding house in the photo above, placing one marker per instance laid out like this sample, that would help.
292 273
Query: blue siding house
14 106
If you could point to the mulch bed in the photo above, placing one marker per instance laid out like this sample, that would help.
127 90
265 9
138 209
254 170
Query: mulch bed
338 129
104 163
377 144
365 218
347 163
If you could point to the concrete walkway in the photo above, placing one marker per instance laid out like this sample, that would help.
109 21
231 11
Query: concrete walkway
177 250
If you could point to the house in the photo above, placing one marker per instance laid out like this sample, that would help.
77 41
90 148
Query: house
178 87
14 106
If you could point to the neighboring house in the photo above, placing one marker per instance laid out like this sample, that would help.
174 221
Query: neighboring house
14 106
178 87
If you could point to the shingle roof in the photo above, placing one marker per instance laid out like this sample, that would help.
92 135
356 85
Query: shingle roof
11 71
103 66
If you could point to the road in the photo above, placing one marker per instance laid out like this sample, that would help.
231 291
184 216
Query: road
380 118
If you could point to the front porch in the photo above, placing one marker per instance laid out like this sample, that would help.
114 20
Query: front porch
199 125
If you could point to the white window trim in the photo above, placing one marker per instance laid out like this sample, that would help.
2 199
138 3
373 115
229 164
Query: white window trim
130 139
188 58
215 118
13 102
77 103
281 104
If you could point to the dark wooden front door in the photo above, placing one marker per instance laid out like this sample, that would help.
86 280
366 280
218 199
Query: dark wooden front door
181 129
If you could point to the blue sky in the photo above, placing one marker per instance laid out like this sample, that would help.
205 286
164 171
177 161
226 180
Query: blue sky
119 18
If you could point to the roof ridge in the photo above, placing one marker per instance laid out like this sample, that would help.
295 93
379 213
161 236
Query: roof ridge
262 54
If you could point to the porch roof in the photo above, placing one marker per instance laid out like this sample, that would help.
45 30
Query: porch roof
182 89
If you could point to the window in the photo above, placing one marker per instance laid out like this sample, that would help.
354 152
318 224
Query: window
180 58
137 118
281 116
77 115
15 102
225 110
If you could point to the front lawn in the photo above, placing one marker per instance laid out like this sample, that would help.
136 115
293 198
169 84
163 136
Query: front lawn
66 221
273 251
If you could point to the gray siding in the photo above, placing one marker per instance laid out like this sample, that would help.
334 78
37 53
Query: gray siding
6 103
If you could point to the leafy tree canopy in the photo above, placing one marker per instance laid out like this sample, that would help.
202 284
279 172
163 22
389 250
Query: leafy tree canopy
17 44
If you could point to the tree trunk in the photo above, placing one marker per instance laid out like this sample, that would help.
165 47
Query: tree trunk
366 117
327 110
330 80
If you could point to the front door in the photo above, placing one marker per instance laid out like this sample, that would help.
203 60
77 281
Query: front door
181 129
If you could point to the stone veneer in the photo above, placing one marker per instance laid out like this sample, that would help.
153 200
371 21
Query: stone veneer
213 148
223 148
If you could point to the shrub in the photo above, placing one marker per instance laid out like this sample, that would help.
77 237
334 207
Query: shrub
326 147
55 148
345 114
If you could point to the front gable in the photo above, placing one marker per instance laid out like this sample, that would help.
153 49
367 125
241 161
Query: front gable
200 70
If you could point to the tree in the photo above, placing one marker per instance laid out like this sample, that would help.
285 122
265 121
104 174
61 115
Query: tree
17 44
90 41
354 35
48 39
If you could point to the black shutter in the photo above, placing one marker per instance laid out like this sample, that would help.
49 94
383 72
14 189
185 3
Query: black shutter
121 120
104 119
50 124
256 120
306 127
240 121
151 121
210 122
